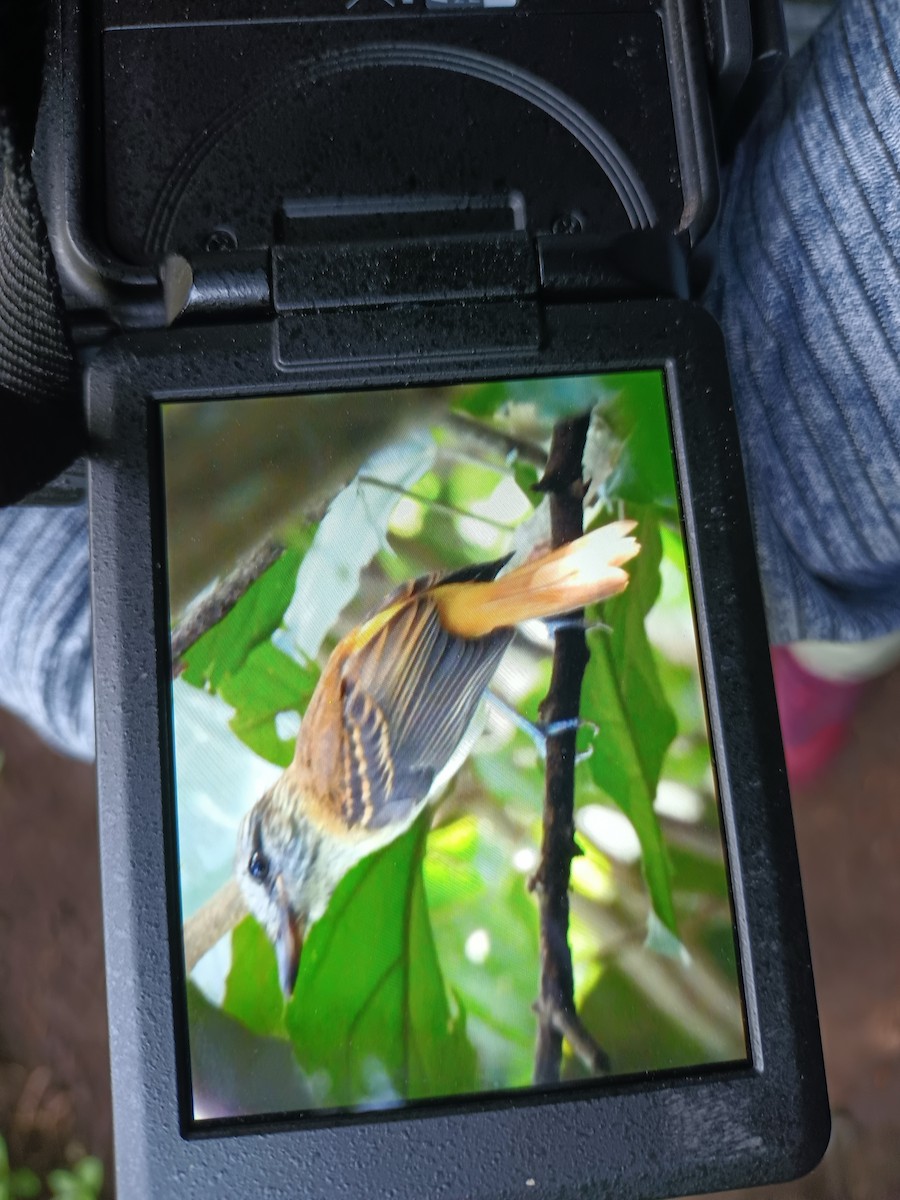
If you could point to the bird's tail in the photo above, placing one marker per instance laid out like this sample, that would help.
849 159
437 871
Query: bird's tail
578 573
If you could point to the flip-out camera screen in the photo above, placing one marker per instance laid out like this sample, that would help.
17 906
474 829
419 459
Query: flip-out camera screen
446 810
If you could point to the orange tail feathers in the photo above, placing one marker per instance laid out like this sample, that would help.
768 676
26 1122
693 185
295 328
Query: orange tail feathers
578 573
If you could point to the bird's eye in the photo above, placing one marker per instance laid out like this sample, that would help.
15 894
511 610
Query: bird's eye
258 866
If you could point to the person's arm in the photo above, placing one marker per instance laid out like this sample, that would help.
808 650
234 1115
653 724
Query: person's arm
45 624
808 295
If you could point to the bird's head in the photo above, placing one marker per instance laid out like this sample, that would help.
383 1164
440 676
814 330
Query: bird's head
279 872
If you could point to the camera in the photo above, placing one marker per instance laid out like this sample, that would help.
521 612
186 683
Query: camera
446 840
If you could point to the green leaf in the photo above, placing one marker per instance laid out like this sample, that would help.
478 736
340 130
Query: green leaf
697 874
223 650
622 694
252 990
19 1184
633 405
370 1018
67 1186
526 476
482 400
23 1183
268 683
90 1172
236 659
661 940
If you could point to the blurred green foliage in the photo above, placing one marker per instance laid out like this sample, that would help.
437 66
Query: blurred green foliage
19 1183
420 978
83 1181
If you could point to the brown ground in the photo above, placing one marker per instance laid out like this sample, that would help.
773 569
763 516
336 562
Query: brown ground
848 833
54 1090
54 1061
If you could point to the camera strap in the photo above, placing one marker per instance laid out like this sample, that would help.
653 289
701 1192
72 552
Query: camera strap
40 410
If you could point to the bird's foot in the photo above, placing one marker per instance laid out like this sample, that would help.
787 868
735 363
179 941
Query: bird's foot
555 624
555 728
540 733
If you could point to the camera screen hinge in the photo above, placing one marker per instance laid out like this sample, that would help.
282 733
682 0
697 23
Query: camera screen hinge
289 280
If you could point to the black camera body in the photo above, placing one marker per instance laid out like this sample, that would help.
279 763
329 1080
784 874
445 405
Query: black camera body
372 209
582 137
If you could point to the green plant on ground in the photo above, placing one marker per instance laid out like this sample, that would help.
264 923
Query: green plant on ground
83 1181
14 1184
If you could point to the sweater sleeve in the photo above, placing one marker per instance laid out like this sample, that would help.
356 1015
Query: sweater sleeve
808 296
45 624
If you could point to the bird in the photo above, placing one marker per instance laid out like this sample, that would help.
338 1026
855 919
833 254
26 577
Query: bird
389 722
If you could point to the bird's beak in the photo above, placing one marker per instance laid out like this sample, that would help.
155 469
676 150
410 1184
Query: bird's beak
289 942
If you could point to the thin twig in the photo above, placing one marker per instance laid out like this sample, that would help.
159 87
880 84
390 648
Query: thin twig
221 600
209 924
556 1005
469 429
569 1025
454 510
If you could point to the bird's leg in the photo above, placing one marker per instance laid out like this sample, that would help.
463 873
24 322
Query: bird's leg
539 734
554 624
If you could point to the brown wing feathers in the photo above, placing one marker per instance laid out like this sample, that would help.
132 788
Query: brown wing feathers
367 760
425 685
411 677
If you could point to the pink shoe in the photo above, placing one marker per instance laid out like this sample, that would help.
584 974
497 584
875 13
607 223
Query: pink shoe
815 715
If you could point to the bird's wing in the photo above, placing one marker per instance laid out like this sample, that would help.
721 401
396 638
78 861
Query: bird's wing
408 694
474 572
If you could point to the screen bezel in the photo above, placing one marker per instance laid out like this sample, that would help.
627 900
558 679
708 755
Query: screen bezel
456 1101
653 1136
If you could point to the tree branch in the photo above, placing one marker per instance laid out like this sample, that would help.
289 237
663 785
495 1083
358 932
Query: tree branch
556 1004
212 920
221 600
481 436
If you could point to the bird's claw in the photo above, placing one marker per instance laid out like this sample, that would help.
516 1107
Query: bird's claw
555 728
555 624
540 733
